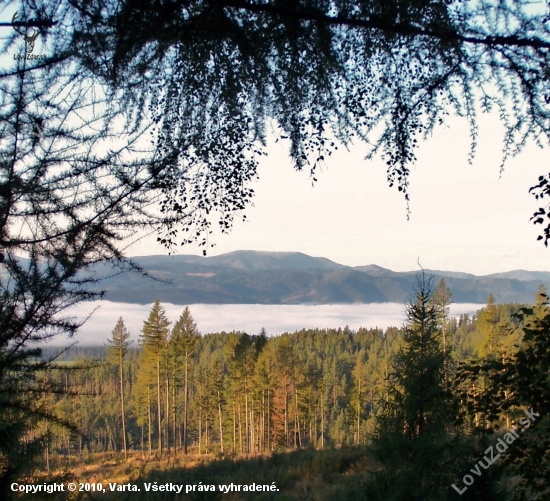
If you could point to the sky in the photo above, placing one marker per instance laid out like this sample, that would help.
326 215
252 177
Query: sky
463 217
471 218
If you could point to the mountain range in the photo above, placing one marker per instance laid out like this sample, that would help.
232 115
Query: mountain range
253 277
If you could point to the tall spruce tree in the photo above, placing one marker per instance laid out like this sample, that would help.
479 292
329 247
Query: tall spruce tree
117 350
183 342
420 454
154 339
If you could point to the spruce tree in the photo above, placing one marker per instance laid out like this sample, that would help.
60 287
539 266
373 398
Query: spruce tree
183 342
420 450
117 350
154 338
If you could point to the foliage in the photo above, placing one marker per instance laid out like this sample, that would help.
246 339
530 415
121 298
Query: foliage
335 382
213 77
68 196
415 440
206 80
50 235
258 395
517 384
322 71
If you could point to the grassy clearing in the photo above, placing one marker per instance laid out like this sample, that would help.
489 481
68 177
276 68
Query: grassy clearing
306 474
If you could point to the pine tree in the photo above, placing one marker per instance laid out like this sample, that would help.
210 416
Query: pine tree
117 350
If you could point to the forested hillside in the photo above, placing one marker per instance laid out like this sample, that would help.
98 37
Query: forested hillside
247 392
251 277
405 412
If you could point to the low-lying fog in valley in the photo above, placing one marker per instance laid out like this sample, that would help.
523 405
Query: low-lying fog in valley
249 318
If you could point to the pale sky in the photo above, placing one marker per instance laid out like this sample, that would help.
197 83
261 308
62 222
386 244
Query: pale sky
463 217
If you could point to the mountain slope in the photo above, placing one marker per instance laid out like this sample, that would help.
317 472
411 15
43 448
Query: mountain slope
249 277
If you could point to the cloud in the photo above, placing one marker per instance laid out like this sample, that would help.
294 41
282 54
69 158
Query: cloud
250 318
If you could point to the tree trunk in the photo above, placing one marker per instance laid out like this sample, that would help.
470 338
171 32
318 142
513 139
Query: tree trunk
220 420
149 428
47 445
322 424
246 417
286 415
206 434
174 417
359 414
122 405
167 413
240 428
159 409
298 420
200 429
252 437
262 432
234 427
185 398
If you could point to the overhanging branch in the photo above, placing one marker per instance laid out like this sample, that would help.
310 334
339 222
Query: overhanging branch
377 23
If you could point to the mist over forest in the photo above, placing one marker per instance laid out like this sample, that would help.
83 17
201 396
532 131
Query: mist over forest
242 395
372 132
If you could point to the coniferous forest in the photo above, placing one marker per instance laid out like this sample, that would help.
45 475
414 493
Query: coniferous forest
137 119
401 413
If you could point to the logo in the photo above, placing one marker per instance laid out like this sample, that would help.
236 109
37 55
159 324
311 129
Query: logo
29 38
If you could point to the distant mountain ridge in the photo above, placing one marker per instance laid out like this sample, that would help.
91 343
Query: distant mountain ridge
252 260
255 277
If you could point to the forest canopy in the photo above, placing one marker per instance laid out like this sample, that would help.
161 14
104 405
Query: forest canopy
423 398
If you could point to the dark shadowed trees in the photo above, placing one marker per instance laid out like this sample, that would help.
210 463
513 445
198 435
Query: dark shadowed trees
416 440
518 396
60 213
69 195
